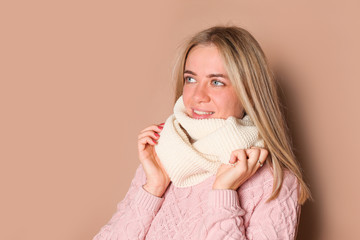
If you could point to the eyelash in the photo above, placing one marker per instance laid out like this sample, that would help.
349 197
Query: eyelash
223 84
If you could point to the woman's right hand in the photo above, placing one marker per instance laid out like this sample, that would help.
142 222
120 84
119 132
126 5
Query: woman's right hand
157 180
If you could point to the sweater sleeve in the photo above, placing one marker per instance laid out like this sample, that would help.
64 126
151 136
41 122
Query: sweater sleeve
277 219
134 213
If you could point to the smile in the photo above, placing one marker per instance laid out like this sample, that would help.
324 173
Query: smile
202 113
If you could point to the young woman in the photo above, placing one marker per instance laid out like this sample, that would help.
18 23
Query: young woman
222 165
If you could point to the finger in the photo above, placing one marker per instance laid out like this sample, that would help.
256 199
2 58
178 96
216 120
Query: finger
232 159
238 155
145 140
157 128
258 157
241 166
153 128
263 156
149 133
241 163
254 154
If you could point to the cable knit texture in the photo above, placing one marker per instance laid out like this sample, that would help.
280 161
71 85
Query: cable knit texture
191 150
198 212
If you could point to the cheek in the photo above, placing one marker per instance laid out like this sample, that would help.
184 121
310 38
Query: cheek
230 105
237 109
187 93
186 98
226 101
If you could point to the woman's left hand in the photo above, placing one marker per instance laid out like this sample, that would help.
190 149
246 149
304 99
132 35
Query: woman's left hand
231 177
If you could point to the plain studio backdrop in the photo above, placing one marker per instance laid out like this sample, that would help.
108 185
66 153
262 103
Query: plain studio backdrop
81 79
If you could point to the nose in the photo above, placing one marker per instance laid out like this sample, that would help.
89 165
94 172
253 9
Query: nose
201 93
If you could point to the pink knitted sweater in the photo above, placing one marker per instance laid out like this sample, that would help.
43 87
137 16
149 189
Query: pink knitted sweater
200 213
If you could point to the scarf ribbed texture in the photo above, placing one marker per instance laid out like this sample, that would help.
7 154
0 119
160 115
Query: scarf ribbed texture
191 150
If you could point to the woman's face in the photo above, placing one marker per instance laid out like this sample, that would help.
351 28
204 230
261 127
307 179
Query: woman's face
207 91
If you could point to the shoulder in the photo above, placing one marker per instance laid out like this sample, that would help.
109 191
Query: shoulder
277 218
290 185
260 186
255 192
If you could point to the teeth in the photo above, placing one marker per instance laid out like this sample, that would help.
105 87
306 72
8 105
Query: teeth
202 113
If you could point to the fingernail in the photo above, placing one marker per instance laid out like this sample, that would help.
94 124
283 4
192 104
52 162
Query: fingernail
162 123
161 127
154 141
156 134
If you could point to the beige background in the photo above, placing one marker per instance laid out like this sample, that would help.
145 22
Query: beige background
80 79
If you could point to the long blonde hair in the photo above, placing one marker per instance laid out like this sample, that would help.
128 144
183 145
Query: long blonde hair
256 88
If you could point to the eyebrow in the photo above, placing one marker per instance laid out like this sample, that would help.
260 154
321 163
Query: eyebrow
209 76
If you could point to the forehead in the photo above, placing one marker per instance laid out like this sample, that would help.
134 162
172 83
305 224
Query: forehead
205 59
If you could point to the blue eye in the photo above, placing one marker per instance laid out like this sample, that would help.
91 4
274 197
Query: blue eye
218 83
186 79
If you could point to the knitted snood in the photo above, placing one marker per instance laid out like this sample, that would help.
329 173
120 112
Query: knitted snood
191 150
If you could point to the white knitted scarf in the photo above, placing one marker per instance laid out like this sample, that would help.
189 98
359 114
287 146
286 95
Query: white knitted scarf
191 150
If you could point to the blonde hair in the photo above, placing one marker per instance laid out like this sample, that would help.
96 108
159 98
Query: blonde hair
256 88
